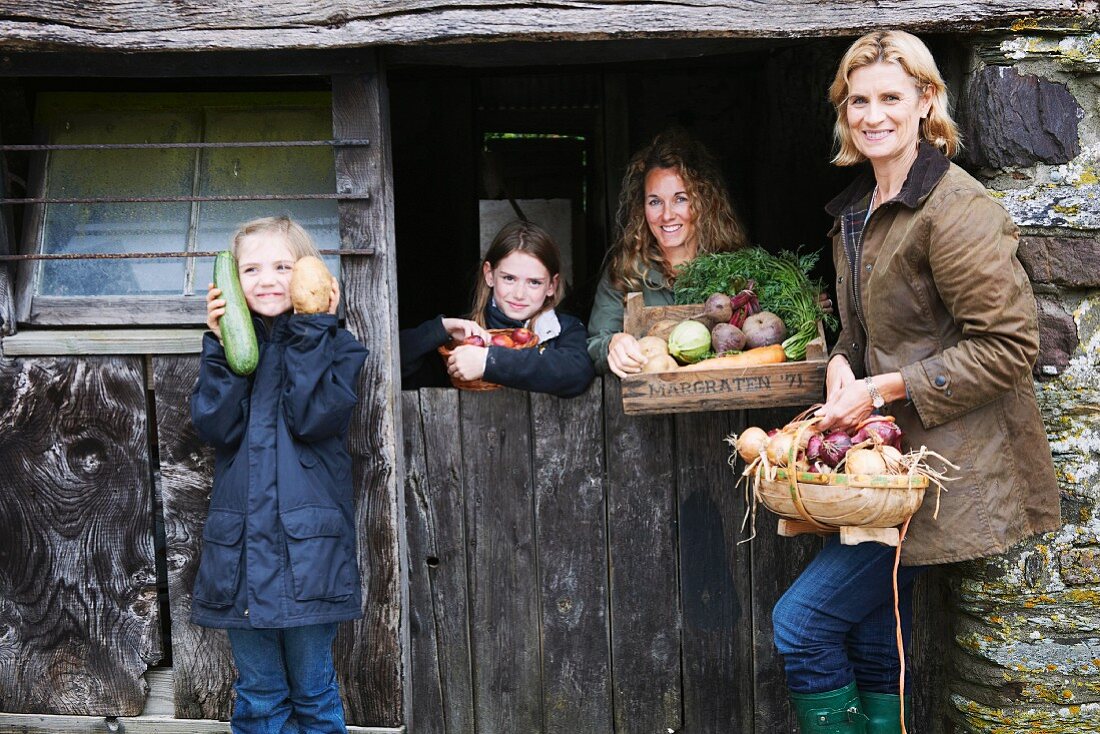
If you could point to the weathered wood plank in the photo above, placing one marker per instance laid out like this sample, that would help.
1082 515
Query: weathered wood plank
571 539
78 584
776 563
202 662
933 636
503 568
114 311
441 687
645 616
7 247
715 577
372 660
42 724
198 25
94 341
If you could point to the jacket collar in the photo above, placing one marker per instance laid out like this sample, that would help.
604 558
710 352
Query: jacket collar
274 330
931 166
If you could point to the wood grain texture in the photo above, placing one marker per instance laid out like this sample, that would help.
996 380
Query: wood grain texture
715 579
7 247
96 341
440 687
572 545
202 25
115 311
776 563
202 661
371 657
645 611
78 586
503 565
928 655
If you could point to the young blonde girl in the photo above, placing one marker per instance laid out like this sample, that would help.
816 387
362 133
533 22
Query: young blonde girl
278 567
519 286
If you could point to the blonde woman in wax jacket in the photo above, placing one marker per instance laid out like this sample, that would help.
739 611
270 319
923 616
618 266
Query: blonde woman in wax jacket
940 331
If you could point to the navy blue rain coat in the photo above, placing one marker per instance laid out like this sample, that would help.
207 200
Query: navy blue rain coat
279 542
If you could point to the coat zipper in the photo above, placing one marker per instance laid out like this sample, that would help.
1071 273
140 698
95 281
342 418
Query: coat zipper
854 259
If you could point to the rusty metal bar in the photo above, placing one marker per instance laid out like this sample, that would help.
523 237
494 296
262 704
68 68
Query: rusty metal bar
153 255
162 146
176 199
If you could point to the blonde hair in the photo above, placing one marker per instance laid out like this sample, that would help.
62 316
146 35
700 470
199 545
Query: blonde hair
525 237
910 53
636 252
297 239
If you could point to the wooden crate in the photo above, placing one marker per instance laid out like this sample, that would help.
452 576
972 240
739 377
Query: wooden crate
800 383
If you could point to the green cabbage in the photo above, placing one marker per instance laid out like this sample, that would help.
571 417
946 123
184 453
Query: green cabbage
689 341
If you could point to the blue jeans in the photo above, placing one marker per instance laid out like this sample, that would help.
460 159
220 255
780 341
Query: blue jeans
835 624
286 682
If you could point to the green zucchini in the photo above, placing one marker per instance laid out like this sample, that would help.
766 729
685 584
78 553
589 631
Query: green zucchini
238 335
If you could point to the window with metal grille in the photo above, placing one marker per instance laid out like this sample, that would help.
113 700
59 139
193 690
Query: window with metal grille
163 177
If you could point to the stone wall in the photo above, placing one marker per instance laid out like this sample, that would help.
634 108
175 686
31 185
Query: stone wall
1028 622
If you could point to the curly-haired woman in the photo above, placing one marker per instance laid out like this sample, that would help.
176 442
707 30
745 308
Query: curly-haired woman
673 206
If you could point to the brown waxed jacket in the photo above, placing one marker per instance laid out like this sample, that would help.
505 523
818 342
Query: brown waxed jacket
943 299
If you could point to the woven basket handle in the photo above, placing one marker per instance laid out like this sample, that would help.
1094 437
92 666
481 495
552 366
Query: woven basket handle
792 477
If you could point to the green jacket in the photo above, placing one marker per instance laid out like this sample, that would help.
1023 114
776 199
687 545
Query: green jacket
607 314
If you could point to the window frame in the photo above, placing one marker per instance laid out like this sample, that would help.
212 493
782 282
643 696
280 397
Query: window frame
136 311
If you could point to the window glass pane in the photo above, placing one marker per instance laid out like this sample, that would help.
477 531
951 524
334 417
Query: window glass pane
117 227
242 171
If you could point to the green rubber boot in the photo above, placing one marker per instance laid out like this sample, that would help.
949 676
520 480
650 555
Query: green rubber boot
832 712
883 712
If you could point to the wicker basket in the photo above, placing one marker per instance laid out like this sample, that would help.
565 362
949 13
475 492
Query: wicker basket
446 350
832 501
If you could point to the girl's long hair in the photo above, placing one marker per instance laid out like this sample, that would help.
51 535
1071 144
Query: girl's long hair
910 53
297 239
636 252
518 236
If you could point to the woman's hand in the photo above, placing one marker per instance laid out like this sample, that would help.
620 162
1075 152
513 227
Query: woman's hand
334 297
624 356
215 309
467 362
837 375
825 302
844 406
462 329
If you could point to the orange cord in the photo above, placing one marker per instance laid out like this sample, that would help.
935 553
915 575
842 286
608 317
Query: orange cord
897 620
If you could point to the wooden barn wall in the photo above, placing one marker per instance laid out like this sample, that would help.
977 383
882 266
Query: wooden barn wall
574 569
79 621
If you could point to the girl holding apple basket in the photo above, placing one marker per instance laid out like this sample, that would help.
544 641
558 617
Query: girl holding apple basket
518 288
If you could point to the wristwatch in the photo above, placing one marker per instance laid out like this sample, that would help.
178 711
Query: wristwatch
876 397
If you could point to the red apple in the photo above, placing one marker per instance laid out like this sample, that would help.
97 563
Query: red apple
475 340
503 340
522 336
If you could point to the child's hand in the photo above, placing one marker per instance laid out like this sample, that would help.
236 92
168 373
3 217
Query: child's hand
467 362
624 356
215 309
334 298
461 329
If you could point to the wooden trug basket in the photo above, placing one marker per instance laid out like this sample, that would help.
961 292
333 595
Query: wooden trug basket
861 507
479 385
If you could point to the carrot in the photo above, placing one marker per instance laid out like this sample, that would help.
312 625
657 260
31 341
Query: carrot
772 354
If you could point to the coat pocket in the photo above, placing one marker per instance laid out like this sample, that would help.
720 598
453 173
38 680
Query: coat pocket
320 552
220 565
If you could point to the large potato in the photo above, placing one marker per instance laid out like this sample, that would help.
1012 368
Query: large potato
653 346
310 286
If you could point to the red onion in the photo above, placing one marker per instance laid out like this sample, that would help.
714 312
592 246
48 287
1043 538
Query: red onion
886 432
833 447
813 447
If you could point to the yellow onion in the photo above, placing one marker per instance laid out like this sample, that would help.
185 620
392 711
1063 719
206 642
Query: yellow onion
751 443
864 461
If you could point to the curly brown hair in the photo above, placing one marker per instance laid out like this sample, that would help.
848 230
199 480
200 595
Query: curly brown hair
636 252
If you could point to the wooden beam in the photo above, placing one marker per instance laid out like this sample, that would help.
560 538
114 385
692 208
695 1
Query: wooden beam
194 25
374 657
42 724
102 341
